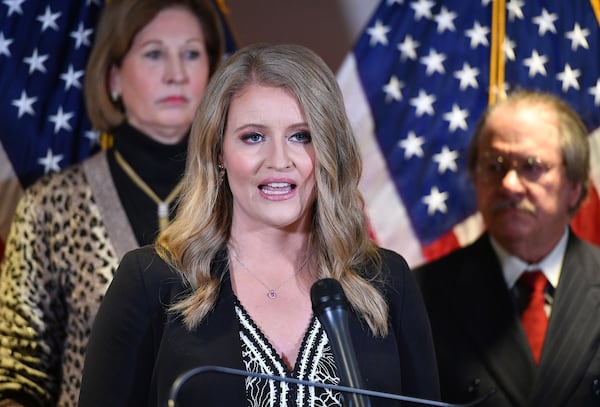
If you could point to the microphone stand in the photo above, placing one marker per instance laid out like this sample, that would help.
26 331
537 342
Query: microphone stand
185 376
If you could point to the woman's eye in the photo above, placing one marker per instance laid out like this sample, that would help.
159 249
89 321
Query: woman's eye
302 137
253 137
192 54
154 54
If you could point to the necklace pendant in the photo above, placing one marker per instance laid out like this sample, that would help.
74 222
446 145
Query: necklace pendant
272 294
163 209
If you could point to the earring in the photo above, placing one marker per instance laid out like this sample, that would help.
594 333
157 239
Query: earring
221 174
114 95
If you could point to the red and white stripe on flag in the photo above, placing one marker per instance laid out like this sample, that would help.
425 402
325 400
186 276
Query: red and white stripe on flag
586 222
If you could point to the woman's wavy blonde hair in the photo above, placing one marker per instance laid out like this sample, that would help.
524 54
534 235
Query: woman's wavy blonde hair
339 240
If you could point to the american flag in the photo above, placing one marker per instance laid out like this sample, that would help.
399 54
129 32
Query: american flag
43 51
44 47
418 79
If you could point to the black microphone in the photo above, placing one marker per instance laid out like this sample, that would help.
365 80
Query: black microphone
185 376
330 306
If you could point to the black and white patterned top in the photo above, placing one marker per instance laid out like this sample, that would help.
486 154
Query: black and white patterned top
315 363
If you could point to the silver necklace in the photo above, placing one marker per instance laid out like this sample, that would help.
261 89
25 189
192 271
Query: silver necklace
271 292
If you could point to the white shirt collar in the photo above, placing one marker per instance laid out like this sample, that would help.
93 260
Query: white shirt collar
551 265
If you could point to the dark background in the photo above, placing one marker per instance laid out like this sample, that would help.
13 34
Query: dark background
329 27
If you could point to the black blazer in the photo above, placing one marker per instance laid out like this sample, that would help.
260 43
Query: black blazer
480 342
137 349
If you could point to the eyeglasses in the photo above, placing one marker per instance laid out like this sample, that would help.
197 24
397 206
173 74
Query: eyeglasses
494 167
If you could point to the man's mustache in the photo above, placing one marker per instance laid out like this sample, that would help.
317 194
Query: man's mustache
523 205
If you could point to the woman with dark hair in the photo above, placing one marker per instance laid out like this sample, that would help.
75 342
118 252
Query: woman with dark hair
146 74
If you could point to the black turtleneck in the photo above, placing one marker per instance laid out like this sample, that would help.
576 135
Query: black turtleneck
161 166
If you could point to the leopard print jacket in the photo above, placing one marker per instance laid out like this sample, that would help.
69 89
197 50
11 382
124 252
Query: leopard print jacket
61 254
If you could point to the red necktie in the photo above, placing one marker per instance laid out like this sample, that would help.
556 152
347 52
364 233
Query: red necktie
534 318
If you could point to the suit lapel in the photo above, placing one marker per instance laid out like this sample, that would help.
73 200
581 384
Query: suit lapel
486 311
574 327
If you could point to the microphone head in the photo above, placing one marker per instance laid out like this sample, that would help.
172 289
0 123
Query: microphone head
327 293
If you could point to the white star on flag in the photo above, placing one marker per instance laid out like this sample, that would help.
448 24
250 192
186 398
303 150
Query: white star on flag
445 20
509 49
456 118
50 162
393 89
412 145
578 37
434 62
535 63
408 48
61 120
446 160
545 22
478 35
4 44
568 77
25 104
423 9
93 136
595 91
423 103
36 62
467 76
48 19
71 78
14 6
436 201
515 10
82 36
379 34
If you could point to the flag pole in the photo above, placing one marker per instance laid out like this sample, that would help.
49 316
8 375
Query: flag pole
596 6
496 87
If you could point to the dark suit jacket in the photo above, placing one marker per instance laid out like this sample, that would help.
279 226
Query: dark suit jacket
480 342
137 349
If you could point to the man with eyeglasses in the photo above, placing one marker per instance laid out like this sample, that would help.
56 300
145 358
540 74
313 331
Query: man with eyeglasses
519 309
